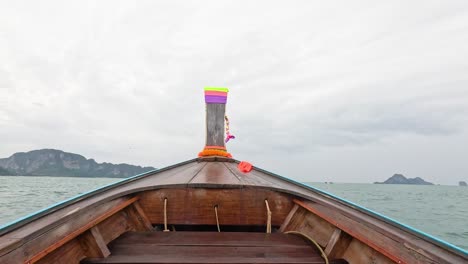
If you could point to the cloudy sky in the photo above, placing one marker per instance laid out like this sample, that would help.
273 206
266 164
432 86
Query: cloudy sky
319 90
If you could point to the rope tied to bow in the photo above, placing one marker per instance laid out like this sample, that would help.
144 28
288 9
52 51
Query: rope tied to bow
165 216
268 229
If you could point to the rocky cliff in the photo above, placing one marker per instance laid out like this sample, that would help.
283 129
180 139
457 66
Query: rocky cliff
51 162
400 179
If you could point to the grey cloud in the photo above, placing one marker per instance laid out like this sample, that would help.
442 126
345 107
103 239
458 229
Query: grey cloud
122 82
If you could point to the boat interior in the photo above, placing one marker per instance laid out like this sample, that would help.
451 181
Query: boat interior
207 211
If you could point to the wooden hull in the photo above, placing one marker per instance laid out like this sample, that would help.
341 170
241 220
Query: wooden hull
125 223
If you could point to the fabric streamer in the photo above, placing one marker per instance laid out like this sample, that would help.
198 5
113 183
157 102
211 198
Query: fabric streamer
229 136
214 95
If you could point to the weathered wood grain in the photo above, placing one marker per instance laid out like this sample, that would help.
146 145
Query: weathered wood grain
195 206
141 216
71 234
188 238
247 179
209 247
291 214
215 173
93 244
215 124
147 259
338 243
115 225
55 237
379 242
316 227
70 253
358 252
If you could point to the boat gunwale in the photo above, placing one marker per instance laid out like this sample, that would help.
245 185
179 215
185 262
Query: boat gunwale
420 234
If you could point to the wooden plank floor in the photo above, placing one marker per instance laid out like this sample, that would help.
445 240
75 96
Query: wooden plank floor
209 247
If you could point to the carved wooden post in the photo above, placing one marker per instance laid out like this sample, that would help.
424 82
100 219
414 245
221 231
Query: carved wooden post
215 99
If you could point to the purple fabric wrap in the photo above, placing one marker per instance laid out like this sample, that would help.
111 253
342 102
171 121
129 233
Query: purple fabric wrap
213 99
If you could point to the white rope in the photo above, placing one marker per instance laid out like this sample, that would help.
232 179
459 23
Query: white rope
165 216
217 220
268 230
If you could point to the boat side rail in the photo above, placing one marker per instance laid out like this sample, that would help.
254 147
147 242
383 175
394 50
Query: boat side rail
336 230
87 234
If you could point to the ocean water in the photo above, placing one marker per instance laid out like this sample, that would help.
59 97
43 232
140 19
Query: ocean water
441 211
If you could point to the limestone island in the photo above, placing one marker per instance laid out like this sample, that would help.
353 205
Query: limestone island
53 162
462 183
400 179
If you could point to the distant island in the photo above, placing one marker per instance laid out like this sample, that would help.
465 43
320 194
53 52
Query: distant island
462 183
52 162
400 179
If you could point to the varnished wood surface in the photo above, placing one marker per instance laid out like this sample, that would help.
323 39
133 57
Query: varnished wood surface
82 229
209 247
338 244
215 173
237 206
70 253
394 248
33 245
93 244
209 238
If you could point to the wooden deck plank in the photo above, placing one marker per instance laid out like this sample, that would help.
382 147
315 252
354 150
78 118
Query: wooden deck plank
178 176
210 251
147 259
209 247
215 173
209 238
247 179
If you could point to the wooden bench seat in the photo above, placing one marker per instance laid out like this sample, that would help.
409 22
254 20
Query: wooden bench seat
209 247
